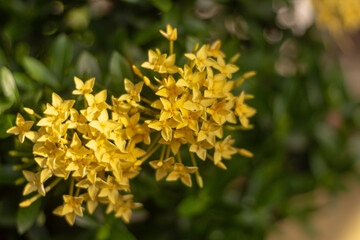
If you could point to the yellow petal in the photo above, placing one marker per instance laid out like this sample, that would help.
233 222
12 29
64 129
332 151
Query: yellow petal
186 179
70 218
173 176
89 84
78 83
13 130
56 100
91 205
76 142
128 85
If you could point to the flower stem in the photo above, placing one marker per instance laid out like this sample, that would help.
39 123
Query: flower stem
171 47
144 158
72 183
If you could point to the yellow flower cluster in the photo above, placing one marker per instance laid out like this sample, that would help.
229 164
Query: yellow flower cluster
99 148
338 16
88 147
195 102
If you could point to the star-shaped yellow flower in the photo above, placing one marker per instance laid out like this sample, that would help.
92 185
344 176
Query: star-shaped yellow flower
83 88
170 34
34 183
70 208
243 111
182 172
162 167
22 127
133 91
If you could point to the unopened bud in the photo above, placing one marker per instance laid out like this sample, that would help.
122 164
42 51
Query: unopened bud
249 74
245 153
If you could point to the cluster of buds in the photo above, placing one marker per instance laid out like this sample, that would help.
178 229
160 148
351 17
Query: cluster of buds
97 150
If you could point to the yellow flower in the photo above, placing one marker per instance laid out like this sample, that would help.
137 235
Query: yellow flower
243 111
131 124
214 50
219 111
123 206
200 148
170 34
224 149
103 124
111 188
169 89
227 69
207 132
162 167
59 108
83 88
96 104
191 79
34 183
70 208
201 58
22 127
160 62
182 172
132 90
164 126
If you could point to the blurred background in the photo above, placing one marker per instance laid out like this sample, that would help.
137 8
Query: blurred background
306 131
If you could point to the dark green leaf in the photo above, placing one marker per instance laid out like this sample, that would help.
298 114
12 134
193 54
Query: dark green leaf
162 5
193 205
26 217
4 106
87 66
23 82
119 69
8 85
40 73
121 233
2 58
6 122
60 55
8 175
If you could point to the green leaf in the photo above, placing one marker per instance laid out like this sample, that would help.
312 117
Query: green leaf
2 58
119 69
4 105
25 217
40 73
23 82
8 85
193 205
87 66
61 54
162 5
6 122
8 175
121 233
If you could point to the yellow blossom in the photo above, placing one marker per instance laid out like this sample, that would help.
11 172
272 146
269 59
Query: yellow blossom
170 34
162 167
182 172
224 149
70 208
34 183
83 88
243 111
22 127
201 58
133 91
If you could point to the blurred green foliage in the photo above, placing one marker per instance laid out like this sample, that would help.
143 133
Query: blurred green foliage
304 136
